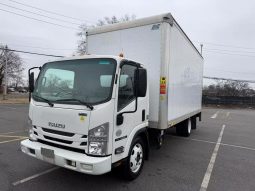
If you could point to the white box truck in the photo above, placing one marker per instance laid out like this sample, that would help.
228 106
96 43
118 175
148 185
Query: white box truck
94 112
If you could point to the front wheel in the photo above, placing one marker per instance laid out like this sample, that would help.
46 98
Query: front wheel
134 164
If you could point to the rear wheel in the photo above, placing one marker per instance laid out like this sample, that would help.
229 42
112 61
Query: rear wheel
134 164
193 123
184 128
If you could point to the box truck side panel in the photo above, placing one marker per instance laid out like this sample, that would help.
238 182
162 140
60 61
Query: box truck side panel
141 44
185 77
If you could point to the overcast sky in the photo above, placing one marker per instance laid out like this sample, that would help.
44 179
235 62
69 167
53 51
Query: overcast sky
225 27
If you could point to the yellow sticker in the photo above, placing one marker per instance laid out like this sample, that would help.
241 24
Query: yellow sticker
162 85
162 80
82 118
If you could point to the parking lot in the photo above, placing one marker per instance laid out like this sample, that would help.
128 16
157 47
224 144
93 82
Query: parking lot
219 155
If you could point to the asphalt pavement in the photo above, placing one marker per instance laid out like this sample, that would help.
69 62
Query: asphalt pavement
219 155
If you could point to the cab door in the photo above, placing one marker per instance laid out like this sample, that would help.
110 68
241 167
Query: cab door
132 109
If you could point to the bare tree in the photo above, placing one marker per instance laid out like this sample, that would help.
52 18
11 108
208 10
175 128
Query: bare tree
14 65
229 88
101 22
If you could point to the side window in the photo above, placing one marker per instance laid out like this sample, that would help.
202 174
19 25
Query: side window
126 86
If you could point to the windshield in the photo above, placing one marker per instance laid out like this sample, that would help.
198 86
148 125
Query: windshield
71 81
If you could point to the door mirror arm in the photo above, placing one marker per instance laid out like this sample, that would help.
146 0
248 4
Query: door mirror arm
120 118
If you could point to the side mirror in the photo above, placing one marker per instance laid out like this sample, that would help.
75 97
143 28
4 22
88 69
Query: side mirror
140 82
31 82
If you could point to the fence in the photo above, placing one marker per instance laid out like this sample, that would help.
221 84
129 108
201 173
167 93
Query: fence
229 100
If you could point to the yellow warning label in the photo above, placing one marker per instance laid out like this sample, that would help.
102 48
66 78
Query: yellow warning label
82 118
162 85
162 80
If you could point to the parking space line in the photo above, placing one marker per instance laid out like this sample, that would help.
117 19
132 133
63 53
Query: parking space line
215 115
227 114
199 140
11 132
34 176
237 146
212 142
209 170
11 136
12 140
204 141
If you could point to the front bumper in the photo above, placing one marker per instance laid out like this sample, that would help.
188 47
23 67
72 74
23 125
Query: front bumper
64 158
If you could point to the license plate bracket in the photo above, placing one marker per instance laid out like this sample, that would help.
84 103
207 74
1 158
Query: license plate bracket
48 155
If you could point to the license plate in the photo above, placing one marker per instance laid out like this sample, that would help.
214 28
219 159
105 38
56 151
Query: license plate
48 155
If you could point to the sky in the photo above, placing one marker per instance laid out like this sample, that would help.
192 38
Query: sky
226 28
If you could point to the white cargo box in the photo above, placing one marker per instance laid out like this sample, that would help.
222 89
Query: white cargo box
174 65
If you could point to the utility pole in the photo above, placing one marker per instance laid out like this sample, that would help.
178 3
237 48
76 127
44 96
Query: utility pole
5 76
201 51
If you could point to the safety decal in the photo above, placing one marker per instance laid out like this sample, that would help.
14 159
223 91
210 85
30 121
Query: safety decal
82 118
162 85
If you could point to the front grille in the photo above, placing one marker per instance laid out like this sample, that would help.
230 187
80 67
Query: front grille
77 142
61 146
58 132
83 144
58 140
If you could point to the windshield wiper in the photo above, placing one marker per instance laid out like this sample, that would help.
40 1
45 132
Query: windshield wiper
82 102
43 99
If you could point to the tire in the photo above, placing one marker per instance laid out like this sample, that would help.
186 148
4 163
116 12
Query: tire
160 139
134 163
193 123
184 128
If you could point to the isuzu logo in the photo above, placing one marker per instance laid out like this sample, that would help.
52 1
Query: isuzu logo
58 125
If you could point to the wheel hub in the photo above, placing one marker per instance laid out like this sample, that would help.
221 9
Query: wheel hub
136 158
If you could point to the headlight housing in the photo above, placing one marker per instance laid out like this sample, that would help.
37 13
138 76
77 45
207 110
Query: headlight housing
30 130
98 140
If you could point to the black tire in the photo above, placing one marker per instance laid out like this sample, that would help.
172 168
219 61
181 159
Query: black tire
128 173
184 128
193 123
160 139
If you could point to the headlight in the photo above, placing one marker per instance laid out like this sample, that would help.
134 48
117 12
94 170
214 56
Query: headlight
98 140
30 130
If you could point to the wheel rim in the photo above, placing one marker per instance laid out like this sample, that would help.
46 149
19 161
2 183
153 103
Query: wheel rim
136 158
189 126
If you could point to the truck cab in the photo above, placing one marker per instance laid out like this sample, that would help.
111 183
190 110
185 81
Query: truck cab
89 113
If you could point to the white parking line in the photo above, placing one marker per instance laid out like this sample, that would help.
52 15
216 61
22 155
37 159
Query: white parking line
214 115
237 146
209 170
11 136
11 132
212 142
34 176
227 115
200 140
19 139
